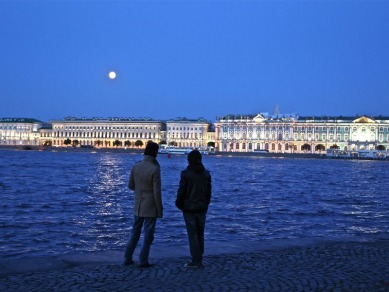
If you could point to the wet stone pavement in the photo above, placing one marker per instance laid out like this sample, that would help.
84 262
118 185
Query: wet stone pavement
324 267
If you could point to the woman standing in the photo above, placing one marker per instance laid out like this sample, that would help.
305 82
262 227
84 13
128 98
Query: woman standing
193 199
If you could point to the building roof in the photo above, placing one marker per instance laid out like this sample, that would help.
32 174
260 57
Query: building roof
186 120
19 120
109 119
345 119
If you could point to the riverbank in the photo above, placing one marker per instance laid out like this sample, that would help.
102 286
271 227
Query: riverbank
325 266
140 150
72 149
219 153
272 155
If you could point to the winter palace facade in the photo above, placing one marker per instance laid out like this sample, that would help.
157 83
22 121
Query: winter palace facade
231 133
293 134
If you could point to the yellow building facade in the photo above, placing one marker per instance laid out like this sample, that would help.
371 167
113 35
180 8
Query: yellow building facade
96 132
183 132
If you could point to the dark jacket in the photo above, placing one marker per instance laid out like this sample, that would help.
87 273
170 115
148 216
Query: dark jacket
194 191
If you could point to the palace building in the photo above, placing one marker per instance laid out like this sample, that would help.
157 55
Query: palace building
183 132
20 131
294 134
277 133
100 132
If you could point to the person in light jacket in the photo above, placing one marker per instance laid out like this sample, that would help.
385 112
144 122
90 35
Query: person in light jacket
145 180
193 199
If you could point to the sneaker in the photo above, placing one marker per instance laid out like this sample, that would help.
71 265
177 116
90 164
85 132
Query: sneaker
128 262
193 265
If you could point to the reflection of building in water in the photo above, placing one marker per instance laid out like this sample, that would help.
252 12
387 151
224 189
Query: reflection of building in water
19 131
294 134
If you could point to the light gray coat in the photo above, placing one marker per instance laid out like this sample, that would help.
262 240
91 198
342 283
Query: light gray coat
145 180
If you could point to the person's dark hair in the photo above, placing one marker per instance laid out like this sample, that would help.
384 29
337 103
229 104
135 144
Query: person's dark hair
194 157
151 149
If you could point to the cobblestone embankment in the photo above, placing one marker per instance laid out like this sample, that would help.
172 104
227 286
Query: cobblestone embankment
324 267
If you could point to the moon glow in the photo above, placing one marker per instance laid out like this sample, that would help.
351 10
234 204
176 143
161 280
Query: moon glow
112 75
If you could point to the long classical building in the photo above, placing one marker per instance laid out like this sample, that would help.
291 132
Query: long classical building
183 132
232 133
20 131
119 132
294 134
100 132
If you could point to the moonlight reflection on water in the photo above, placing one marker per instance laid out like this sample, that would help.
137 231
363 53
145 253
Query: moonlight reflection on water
65 202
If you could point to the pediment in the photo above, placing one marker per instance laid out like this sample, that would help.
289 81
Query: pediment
259 118
364 120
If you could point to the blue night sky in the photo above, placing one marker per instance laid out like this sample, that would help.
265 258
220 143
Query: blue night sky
193 58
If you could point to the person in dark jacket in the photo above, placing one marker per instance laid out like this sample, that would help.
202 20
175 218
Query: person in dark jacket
193 199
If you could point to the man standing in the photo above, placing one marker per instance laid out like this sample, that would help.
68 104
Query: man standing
193 198
145 180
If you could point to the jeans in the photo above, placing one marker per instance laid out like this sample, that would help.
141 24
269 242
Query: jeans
148 237
195 225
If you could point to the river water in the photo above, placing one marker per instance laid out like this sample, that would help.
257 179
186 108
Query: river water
67 202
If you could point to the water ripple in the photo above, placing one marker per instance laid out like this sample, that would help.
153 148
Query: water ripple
56 202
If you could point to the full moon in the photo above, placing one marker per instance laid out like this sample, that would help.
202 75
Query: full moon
112 75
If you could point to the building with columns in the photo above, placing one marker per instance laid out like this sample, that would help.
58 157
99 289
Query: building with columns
184 132
20 131
294 134
110 132
233 133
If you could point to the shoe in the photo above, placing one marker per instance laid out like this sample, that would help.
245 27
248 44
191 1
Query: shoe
146 265
193 265
128 262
